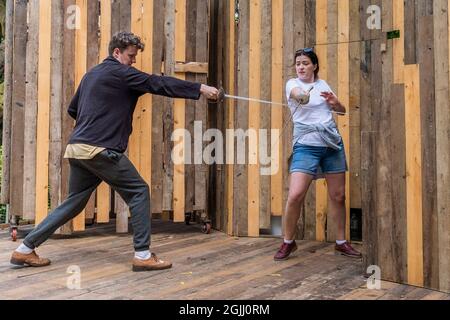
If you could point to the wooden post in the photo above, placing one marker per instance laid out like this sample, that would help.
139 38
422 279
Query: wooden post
29 156
7 101
231 53
44 81
56 99
321 51
253 186
343 91
179 112
442 65
276 189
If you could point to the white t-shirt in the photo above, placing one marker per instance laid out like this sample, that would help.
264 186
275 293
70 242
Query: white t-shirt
310 115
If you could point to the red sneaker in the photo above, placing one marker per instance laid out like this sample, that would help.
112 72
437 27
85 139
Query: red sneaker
285 250
347 250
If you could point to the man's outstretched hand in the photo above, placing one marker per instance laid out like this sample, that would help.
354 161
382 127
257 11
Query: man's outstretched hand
209 93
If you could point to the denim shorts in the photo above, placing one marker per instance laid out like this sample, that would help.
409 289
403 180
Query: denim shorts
316 160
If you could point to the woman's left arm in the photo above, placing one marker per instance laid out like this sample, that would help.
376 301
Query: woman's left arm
333 102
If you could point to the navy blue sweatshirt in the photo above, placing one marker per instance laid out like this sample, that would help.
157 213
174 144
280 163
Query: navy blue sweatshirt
104 103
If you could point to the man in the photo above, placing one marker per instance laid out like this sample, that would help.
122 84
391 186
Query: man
103 108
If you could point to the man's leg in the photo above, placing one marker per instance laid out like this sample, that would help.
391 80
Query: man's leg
118 171
81 185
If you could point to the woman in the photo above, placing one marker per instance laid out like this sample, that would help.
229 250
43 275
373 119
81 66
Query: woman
317 150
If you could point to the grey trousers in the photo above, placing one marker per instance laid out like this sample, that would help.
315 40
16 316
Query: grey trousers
85 175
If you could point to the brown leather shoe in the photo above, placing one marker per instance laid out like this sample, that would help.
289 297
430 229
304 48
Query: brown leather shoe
285 250
153 263
347 250
32 259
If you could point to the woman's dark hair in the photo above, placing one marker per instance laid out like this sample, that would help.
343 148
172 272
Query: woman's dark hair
309 52
123 40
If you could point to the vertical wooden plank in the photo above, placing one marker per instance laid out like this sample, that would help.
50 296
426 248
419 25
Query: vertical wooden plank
121 15
18 103
321 51
388 260
103 190
333 79
240 191
426 62
276 187
42 137
293 19
370 76
354 106
398 180
216 114
344 93
80 70
413 175
230 85
29 155
146 110
409 37
265 111
68 91
253 184
179 111
191 32
7 101
201 107
157 111
310 199
134 141
105 28
55 154
92 54
398 8
169 65
442 141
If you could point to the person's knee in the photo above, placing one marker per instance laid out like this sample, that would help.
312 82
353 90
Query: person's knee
296 197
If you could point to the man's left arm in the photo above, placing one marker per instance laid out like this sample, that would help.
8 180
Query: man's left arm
167 86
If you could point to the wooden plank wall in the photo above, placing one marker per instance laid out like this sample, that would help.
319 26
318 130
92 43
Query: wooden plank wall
404 155
395 133
261 61
66 39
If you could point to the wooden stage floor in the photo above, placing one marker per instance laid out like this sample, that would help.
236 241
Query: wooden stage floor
213 266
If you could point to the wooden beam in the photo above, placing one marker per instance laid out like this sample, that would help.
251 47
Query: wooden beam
191 67
398 8
442 65
344 95
254 118
413 175
103 190
31 101
42 137
7 101
321 50
276 184
80 70
179 112
147 100
230 111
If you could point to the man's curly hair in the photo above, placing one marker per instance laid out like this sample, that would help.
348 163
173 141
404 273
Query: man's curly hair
123 40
